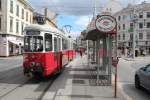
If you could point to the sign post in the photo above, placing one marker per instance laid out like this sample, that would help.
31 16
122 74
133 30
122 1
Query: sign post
108 25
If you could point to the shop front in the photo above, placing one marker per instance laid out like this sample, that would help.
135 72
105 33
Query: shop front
11 45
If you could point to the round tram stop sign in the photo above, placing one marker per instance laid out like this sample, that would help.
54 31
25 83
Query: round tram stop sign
106 24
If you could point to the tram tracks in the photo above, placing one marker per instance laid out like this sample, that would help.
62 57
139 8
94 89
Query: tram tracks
36 83
7 93
46 89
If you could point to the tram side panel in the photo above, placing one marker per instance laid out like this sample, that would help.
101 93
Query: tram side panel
70 55
51 63
64 57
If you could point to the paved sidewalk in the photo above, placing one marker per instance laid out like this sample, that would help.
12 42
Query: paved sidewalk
136 58
73 84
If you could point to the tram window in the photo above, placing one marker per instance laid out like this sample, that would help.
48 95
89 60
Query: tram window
55 44
28 44
67 44
48 42
33 44
37 43
64 44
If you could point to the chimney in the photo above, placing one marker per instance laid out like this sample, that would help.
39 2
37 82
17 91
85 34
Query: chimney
144 2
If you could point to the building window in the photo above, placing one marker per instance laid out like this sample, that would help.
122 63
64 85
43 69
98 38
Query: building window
119 27
131 27
119 18
148 14
0 4
123 36
131 36
17 10
17 26
146 42
22 13
141 15
124 26
140 25
30 18
118 37
11 24
27 16
22 28
148 35
140 35
0 23
11 6
124 17
148 24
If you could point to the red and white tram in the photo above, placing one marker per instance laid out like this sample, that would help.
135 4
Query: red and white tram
46 50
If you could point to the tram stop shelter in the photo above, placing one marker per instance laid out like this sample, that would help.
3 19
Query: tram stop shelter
101 32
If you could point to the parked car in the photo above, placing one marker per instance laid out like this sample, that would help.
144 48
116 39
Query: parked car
142 77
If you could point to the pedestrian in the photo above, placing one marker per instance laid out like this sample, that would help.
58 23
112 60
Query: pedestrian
81 53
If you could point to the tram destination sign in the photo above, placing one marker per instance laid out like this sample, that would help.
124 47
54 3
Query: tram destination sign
32 32
106 24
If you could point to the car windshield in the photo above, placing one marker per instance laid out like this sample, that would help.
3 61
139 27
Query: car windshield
33 44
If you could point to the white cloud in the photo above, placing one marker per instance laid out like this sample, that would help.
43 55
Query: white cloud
76 7
83 21
75 34
69 7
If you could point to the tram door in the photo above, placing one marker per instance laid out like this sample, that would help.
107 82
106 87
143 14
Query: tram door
57 51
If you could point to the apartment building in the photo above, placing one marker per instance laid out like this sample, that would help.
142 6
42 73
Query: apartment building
14 16
139 28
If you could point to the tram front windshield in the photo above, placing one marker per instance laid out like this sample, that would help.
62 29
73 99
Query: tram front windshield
33 44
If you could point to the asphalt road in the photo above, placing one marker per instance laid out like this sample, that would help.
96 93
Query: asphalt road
15 86
126 72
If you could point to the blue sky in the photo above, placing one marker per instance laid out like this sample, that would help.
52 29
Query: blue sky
76 13
77 24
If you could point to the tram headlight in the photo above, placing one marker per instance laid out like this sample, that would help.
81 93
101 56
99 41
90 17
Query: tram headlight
35 64
32 64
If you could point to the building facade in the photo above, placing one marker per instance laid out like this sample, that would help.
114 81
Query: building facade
134 20
14 16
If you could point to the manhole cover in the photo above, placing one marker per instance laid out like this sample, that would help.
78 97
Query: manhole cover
78 81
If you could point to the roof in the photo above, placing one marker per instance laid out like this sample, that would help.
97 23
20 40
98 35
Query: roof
45 28
25 2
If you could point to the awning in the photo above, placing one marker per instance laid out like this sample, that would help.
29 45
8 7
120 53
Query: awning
18 42
100 27
91 33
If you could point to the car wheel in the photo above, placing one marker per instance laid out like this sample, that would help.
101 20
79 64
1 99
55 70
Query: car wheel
137 82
